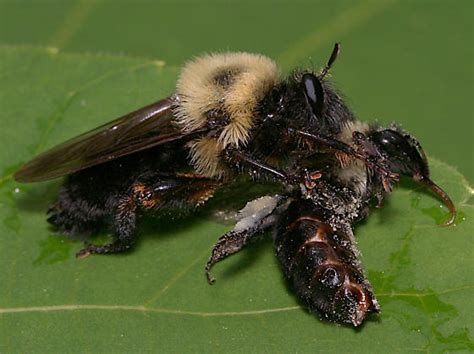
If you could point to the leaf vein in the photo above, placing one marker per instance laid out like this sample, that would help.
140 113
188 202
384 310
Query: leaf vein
141 308
145 309
173 280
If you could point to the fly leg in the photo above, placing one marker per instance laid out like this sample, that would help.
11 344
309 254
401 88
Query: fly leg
235 156
370 161
294 177
124 228
154 192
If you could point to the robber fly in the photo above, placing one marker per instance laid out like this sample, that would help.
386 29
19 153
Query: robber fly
233 115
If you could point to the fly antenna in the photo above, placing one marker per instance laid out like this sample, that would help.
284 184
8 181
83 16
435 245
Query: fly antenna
332 59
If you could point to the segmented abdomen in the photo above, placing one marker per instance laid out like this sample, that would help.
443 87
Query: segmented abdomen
322 265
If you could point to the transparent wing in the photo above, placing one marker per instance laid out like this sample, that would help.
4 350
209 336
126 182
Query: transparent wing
142 129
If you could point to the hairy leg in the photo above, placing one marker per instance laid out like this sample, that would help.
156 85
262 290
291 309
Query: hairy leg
90 202
152 192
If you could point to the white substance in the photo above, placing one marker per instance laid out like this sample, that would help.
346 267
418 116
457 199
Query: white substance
255 211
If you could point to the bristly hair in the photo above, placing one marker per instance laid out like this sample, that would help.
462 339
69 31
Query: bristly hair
290 98
229 83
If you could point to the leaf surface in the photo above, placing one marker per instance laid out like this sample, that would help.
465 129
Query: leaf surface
156 297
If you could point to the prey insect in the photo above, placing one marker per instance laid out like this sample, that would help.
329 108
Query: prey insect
233 116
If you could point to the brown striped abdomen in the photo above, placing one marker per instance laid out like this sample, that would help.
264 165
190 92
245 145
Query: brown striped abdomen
322 265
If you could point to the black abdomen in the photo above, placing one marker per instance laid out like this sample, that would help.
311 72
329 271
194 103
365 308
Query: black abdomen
322 265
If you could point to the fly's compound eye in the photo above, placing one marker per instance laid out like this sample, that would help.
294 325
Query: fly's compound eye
314 93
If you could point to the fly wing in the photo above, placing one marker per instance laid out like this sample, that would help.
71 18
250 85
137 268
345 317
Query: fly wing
142 129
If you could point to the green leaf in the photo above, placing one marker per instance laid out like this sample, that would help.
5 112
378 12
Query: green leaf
156 297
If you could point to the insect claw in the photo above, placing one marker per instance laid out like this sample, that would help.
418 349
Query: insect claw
380 199
388 179
386 185
210 279
85 252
